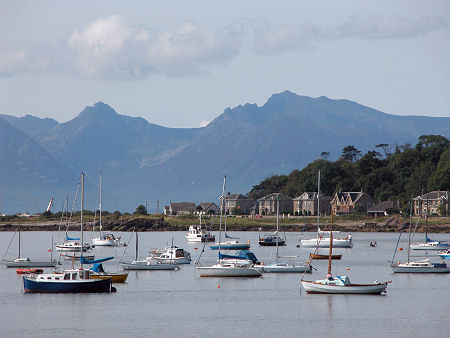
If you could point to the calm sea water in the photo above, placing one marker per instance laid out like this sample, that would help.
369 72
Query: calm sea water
179 303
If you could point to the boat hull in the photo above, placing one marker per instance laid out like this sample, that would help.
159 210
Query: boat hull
115 278
325 243
410 269
231 247
312 287
30 264
183 260
84 286
285 268
162 266
264 243
209 271
428 247
318 256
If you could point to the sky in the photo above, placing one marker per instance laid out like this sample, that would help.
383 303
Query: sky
181 63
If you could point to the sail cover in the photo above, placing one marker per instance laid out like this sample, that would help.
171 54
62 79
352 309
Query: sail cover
87 261
71 238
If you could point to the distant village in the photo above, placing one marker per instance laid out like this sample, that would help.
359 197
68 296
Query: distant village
434 203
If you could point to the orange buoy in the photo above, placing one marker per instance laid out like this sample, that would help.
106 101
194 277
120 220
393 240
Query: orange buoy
348 269
195 248
400 249
218 286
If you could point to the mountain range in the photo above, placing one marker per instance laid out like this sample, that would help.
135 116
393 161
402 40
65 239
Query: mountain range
143 162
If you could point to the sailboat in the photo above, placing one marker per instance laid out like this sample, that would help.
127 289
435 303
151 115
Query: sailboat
226 269
321 241
341 284
103 239
421 266
278 266
70 281
429 243
230 243
148 263
26 262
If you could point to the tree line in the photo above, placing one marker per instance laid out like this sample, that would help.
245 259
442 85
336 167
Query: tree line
388 172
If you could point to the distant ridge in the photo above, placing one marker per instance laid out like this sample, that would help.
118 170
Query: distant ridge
146 162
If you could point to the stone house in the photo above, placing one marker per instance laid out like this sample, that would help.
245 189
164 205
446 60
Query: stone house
430 203
345 202
239 204
308 202
208 208
268 204
180 208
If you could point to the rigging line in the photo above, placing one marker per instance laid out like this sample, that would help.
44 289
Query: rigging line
126 246
14 235
415 228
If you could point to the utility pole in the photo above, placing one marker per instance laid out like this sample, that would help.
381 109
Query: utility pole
157 206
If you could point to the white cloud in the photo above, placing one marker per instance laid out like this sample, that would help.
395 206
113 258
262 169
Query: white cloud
110 48
270 40
384 27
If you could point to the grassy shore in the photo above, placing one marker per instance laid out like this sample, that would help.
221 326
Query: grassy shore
157 222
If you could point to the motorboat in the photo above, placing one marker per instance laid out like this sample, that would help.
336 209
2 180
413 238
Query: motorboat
324 242
422 266
444 254
172 254
106 240
149 263
231 245
431 245
342 285
71 281
198 233
225 269
72 247
271 240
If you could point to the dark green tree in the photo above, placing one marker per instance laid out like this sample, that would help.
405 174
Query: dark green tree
141 210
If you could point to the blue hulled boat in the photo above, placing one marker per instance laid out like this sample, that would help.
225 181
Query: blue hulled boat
71 281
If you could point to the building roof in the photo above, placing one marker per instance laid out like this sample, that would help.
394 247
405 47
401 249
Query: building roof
311 195
182 206
232 197
433 195
275 196
353 195
207 205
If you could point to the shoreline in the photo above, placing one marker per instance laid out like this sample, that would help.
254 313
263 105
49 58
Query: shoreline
159 224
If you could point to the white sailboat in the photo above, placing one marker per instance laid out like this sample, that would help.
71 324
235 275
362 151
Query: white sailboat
278 266
321 241
222 269
421 266
103 239
341 284
27 262
148 263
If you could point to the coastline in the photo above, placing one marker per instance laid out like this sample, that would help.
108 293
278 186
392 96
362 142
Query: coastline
148 224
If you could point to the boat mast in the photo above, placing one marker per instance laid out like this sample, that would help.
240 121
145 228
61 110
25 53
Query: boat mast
100 206
410 221
330 253
81 216
278 216
19 242
318 201
222 200
137 247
